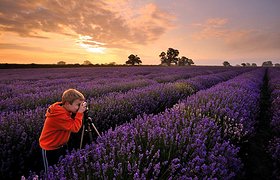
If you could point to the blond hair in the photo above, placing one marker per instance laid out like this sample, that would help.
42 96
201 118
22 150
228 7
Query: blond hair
70 95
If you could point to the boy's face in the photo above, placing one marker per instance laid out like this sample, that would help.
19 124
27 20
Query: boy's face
74 106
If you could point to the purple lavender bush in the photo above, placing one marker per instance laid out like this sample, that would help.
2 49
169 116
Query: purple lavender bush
234 104
274 143
38 88
206 81
39 96
177 167
117 108
110 111
274 151
171 145
19 133
274 87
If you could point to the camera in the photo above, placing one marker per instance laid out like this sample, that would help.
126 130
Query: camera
86 117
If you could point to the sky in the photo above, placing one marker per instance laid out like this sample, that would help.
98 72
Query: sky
207 31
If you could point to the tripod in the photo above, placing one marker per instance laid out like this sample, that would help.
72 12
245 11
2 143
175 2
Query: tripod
88 126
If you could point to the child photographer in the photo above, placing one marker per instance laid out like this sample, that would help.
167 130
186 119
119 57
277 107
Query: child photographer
62 118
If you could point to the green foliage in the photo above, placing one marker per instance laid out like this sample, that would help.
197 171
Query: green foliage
226 64
133 59
171 57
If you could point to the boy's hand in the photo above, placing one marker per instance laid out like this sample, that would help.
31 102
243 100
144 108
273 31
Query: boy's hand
83 107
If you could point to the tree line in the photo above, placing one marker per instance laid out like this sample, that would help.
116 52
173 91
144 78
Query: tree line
264 64
167 58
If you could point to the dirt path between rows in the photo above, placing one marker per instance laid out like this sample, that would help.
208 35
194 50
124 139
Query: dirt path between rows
257 162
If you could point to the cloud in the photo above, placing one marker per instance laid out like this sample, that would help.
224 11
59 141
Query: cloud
19 47
237 39
90 45
212 28
150 23
94 18
24 47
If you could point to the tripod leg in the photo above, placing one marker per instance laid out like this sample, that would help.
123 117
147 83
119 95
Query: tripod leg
89 131
95 129
82 137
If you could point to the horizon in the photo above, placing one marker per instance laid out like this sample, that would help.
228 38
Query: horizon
102 32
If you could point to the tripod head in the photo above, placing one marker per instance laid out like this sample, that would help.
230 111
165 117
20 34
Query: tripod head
87 120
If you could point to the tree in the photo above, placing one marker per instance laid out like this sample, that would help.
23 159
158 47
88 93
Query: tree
243 64
133 59
61 63
254 64
112 63
172 55
163 58
277 65
190 62
87 62
267 64
226 64
183 61
169 57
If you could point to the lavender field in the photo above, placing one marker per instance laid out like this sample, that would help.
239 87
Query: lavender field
156 122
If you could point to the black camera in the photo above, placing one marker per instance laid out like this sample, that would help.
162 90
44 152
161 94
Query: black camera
86 111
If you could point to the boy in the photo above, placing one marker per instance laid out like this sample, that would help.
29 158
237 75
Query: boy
62 118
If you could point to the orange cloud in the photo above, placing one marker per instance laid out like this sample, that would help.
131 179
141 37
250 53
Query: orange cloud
212 28
151 23
92 18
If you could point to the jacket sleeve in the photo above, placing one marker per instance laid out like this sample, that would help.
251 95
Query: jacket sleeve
69 124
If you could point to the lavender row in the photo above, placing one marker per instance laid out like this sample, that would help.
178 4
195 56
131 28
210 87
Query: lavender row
171 145
117 108
30 94
120 110
189 72
8 75
36 97
274 87
23 80
233 104
205 82
274 144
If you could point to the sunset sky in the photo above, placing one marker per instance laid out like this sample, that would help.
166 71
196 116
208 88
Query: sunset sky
207 31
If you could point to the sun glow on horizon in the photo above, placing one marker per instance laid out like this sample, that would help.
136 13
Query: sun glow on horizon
90 45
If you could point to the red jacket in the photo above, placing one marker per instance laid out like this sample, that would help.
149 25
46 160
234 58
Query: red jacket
58 127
